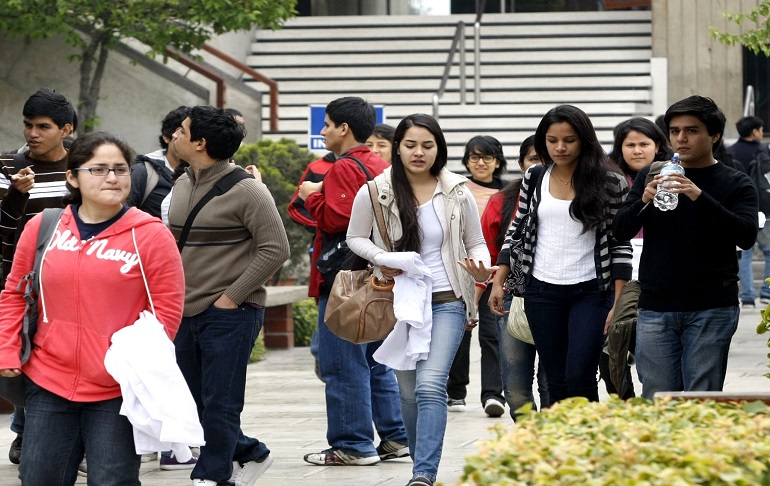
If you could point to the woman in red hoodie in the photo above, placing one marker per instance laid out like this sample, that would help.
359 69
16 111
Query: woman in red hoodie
91 285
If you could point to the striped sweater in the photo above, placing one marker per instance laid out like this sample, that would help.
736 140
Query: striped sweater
612 257
16 208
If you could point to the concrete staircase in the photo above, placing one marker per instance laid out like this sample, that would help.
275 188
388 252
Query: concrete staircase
599 61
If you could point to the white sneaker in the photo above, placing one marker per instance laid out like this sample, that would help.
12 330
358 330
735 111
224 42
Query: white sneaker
248 473
494 408
83 468
153 456
204 482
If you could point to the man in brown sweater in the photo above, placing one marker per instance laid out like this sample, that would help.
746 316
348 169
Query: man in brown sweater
236 243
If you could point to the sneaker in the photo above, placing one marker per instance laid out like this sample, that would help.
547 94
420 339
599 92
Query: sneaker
196 451
83 468
336 457
153 456
14 453
204 482
493 408
750 303
246 474
420 481
764 300
170 463
389 449
455 404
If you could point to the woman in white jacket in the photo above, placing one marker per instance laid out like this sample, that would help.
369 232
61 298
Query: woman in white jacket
428 211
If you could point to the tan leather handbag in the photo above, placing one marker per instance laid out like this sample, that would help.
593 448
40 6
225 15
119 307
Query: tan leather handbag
360 306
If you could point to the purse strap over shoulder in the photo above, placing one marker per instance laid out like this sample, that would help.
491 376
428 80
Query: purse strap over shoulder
378 216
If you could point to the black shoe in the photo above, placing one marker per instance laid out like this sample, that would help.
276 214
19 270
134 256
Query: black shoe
14 453
748 303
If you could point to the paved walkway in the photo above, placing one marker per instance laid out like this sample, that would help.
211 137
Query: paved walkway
285 409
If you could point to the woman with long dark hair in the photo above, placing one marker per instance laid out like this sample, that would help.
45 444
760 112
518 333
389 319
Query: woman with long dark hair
432 219
573 264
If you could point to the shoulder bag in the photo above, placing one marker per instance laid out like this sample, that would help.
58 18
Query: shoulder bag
360 306
516 280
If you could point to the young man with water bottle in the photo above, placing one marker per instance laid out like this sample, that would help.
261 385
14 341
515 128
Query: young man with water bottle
688 306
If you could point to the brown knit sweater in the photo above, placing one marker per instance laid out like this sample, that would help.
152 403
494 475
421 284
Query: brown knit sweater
236 243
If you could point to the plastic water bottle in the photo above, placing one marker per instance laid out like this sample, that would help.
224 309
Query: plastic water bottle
665 200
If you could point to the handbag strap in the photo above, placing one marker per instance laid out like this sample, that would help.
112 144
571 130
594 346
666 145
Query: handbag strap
378 216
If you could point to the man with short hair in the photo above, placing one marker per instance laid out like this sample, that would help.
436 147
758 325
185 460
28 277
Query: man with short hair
688 306
31 182
235 244
359 390
162 163
751 131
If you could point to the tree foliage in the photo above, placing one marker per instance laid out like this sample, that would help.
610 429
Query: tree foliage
755 39
94 27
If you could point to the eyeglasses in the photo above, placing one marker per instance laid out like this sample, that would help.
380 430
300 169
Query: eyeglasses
122 170
475 158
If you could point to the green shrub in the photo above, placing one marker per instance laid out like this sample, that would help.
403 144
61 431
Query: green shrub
631 443
281 164
305 321
259 350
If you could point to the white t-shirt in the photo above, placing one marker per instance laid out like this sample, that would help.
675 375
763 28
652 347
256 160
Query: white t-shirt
564 254
431 238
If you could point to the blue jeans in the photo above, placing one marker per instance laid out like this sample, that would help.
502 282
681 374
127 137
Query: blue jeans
567 323
746 273
358 391
491 378
517 360
684 351
423 391
212 350
58 432
17 420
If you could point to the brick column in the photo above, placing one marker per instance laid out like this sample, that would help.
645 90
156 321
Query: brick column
279 327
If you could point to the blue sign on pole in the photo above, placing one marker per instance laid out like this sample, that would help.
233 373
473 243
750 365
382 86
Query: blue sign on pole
316 124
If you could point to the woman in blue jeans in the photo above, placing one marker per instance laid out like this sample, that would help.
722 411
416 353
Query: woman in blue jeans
517 358
428 211
573 264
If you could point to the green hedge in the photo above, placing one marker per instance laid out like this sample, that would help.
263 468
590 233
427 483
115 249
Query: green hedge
305 321
630 443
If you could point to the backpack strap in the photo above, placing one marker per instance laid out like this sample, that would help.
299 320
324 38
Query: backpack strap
360 166
222 186
19 161
378 215
152 180
48 225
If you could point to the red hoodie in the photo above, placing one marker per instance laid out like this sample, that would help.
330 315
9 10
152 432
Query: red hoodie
332 206
88 291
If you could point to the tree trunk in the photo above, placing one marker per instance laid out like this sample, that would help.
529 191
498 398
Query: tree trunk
91 79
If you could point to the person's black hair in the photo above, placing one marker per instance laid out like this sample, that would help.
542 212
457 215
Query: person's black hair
402 189
222 133
47 102
590 176
526 145
486 145
234 112
171 122
510 193
358 113
82 150
646 128
660 121
705 110
748 124
384 131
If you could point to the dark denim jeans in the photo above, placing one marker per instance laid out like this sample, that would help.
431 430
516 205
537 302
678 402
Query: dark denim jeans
212 350
17 420
684 351
567 323
459 374
358 391
517 360
58 432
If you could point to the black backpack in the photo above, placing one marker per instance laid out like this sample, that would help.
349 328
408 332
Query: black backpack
759 171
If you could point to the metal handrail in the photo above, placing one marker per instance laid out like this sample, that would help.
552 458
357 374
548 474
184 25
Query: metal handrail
198 68
459 37
256 75
748 104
